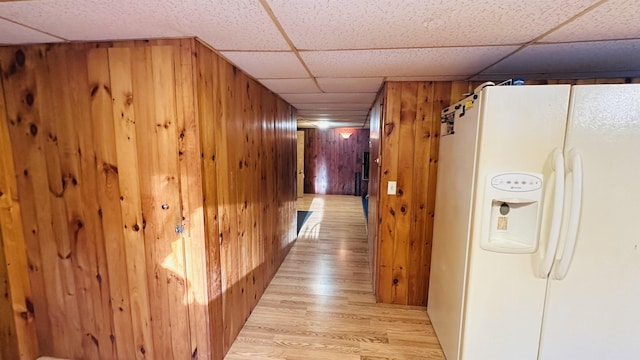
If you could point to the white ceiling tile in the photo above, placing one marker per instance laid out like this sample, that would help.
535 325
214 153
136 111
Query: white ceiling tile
570 58
342 106
223 24
334 98
231 24
338 85
389 33
306 124
98 20
331 116
268 65
403 62
291 85
332 112
367 24
613 20
358 121
11 33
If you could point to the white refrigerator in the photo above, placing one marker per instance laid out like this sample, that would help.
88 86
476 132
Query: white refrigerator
536 244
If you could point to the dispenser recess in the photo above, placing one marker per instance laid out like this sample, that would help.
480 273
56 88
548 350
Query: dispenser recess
511 219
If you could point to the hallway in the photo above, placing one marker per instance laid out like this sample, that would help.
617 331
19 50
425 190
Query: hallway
320 304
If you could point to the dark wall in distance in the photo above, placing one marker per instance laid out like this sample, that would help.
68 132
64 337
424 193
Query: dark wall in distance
331 161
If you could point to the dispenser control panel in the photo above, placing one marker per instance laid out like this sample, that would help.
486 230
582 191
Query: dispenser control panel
516 182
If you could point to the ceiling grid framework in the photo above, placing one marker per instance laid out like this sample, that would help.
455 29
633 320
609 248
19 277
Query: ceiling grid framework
328 58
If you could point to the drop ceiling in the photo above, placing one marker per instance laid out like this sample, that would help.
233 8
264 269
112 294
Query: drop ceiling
328 58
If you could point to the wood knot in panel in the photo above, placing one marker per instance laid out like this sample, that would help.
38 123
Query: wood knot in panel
29 99
109 168
388 128
94 90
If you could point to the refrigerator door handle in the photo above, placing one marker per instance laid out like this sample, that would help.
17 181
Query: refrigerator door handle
575 168
557 166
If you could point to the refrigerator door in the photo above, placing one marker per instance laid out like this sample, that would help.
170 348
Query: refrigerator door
593 313
521 126
454 194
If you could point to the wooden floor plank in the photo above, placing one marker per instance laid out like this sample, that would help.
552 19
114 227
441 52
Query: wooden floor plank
320 304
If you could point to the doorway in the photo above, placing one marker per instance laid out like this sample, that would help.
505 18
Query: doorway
300 169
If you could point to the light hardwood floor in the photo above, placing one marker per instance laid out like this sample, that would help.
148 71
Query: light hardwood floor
320 304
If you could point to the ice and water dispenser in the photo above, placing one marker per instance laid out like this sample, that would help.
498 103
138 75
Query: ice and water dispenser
512 212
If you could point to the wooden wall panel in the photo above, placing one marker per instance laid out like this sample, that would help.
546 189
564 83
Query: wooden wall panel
202 308
156 199
8 338
210 123
17 328
401 234
248 150
127 126
331 161
375 120
430 129
388 209
116 323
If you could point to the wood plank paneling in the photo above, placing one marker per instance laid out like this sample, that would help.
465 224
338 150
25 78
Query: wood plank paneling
401 234
390 140
126 144
17 327
17 324
191 164
87 237
424 121
151 173
8 338
405 190
209 112
331 162
249 166
424 222
375 121
114 284
21 116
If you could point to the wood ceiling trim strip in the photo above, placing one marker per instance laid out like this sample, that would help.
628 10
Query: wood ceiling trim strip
286 37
